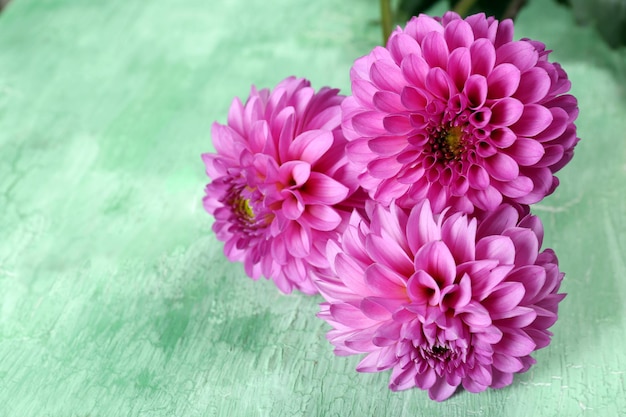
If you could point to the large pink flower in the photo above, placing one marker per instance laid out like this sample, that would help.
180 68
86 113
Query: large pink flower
455 111
443 300
278 177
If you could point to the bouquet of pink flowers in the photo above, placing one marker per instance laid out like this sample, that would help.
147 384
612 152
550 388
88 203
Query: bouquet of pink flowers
407 204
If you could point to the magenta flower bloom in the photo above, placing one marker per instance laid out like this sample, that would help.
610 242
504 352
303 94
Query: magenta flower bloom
441 299
455 111
278 178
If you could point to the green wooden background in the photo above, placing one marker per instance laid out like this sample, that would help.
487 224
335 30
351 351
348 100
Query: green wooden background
115 298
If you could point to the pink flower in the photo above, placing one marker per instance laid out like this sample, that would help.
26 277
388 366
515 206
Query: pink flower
278 178
441 299
455 111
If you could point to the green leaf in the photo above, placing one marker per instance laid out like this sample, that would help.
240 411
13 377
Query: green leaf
607 16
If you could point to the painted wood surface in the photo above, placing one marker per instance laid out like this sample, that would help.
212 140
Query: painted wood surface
115 298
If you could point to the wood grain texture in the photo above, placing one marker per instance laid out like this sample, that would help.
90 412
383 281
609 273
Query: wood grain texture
115 298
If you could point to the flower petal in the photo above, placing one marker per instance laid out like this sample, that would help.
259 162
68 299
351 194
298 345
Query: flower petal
496 247
421 227
505 112
459 234
321 189
534 120
310 146
435 258
503 81
502 167
321 217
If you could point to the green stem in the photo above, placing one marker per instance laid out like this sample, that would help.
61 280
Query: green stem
386 19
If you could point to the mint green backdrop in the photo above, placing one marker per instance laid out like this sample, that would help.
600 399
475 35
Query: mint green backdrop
115 298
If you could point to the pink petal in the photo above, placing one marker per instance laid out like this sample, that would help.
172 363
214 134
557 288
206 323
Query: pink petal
522 54
423 289
560 123
387 102
503 137
459 67
327 119
503 81
414 99
363 91
321 189
390 255
476 90
462 294
369 363
435 50
351 274
478 177
501 379
516 188
506 112
483 56
518 317
439 84
458 34
505 297
506 363
321 217
459 235
485 275
421 227
292 206
526 152
385 282
414 68
294 173
496 247
441 390
474 315
552 155
351 316
310 146
504 217
505 33
435 258
481 377
533 86
421 26
369 123
388 145
515 343
535 119
384 168
297 240
526 245
374 310
426 379
285 137
501 167
397 124
387 76
401 45
487 199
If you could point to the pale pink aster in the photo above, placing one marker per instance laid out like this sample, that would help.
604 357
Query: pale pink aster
456 111
278 179
443 300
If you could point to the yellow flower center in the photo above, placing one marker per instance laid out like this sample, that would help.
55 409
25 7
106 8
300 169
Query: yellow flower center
243 206
451 143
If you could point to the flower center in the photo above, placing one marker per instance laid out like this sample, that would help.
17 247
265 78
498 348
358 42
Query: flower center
247 210
448 144
438 352
242 206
